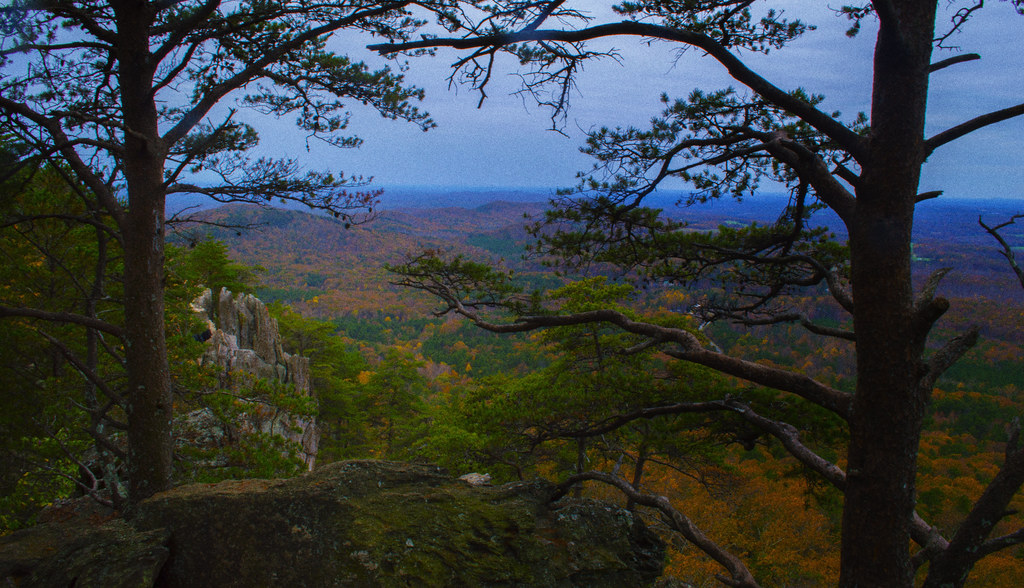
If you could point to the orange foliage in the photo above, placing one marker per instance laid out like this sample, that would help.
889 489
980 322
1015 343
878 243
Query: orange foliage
756 511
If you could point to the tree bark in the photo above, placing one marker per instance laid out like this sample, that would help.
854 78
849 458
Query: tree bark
889 404
150 442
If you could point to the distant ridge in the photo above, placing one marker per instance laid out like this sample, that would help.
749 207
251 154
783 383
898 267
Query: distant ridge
434 197
760 207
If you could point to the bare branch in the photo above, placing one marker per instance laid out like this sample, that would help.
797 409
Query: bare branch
1007 250
740 576
790 438
848 139
970 126
968 544
958 20
1000 543
953 61
804 320
928 308
948 355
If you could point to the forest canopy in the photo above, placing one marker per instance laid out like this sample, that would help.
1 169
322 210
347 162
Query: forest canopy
632 354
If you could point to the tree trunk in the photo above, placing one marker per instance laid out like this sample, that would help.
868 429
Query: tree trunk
887 416
889 405
150 442
149 382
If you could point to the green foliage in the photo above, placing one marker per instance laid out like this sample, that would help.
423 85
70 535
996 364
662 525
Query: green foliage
732 26
206 264
753 267
364 410
297 74
34 475
61 381
64 383
547 420
93 81
270 294
393 401
455 278
335 367
490 354
498 244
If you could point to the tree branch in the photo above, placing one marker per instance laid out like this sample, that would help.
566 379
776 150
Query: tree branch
65 146
610 424
690 349
948 355
953 61
805 322
256 69
740 576
1007 251
86 372
968 545
790 438
62 317
970 126
848 139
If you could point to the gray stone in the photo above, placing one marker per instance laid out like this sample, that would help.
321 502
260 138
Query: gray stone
244 338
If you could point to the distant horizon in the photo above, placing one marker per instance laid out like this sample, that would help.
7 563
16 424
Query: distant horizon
552 190
424 196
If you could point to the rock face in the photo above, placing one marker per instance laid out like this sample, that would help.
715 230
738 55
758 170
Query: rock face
244 338
111 555
367 523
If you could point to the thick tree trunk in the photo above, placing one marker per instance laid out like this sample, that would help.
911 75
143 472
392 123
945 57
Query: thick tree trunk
150 442
889 406
888 411
149 396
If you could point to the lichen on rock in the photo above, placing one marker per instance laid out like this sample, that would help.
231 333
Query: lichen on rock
354 523
244 339
108 555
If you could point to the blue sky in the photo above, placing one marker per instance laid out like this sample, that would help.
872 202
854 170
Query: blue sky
507 143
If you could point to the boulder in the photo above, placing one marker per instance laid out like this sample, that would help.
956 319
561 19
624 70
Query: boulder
108 555
364 523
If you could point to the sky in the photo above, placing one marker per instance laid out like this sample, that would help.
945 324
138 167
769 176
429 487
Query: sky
508 142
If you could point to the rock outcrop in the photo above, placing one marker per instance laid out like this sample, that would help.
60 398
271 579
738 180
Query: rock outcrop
243 338
356 523
108 555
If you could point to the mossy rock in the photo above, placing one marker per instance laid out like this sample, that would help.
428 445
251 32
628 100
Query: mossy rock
108 555
372 523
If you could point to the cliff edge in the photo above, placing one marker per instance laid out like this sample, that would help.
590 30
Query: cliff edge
354 523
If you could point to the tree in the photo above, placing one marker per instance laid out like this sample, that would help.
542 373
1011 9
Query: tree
64 403
128 97
866 170
334 371
61 383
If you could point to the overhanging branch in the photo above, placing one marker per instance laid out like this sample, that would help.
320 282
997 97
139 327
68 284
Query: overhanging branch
740 576
689 348
848 139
